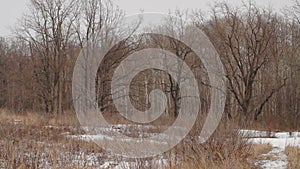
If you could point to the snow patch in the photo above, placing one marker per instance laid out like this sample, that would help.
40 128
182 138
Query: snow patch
279 141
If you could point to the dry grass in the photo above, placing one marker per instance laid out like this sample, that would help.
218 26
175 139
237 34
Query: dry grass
28 141
29 144
41 147
39 119
217 156
28 118
258 149
259 152
293 155
224 150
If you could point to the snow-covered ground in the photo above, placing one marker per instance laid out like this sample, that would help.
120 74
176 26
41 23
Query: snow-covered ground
278 140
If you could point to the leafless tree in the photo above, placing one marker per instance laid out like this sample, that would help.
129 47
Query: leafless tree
244 38
48 29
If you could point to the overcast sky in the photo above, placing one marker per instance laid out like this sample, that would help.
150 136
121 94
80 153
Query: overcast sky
11 10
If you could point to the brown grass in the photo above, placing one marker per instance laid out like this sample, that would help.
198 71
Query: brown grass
259 152
224 150
39 119
29 146
258 149
293 155
28 143
217 156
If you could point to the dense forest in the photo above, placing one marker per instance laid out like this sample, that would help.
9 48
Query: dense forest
46 76
258 47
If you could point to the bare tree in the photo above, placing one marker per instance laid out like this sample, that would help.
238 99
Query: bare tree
244 38
48 29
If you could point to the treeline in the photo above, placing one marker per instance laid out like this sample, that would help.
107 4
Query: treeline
259 49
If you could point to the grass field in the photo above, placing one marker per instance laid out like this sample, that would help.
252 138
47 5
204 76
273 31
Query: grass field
35 141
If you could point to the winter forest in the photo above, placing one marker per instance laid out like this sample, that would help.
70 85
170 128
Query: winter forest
258 47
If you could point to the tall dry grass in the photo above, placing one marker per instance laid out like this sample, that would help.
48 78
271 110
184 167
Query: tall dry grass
37 141
293 157
67 118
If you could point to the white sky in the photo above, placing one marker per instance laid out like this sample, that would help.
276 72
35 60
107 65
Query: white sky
11 10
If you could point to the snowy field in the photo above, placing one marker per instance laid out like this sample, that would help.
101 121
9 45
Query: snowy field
67 138
278 140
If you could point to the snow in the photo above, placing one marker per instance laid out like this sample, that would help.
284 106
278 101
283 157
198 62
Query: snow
255 133
140 131
108 164
111 138
278 140
16 122
279 163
